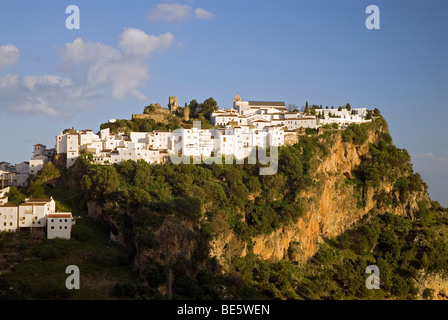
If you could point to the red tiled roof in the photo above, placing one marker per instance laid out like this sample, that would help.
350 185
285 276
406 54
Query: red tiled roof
59 215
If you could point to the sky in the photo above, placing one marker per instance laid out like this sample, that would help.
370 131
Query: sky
128 54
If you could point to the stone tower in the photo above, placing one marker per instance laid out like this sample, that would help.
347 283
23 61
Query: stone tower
172 105
186 113
236 101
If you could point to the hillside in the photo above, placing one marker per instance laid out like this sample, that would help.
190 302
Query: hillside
341 200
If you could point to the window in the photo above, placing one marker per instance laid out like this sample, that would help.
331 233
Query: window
65 220
65 227
52 228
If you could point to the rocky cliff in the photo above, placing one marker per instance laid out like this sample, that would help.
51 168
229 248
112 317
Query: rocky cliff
329 209
351 180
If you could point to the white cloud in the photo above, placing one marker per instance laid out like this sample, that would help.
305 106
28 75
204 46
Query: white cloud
9 54
36 95
170 12
137 42
176 12
202 14
92 73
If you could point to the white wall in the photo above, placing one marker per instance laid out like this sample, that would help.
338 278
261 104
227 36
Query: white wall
59 225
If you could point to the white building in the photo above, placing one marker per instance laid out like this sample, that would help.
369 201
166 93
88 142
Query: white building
342 117
192 142
59 225
7 179
300 122
36 164
22 173
68 143
41 155
4 196
8 218
250 107
33 212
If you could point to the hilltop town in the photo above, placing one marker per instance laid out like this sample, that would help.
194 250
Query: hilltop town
236 132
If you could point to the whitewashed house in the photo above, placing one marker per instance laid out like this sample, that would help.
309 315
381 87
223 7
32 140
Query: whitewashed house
7 179
300 122
8 218
22 173
59 225
4 196
33 212
36 213
36 163
68 143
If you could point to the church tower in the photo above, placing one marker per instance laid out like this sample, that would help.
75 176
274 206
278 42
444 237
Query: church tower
236 101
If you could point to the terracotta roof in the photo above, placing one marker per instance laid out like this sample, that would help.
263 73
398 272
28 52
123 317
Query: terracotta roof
60 215
226 115
8 206
32 204
39 200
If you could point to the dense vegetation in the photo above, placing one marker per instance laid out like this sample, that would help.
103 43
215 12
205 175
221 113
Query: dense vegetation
138 200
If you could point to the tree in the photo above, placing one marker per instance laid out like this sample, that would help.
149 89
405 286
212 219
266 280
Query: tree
15 195
340 109
348 107
149 109
194 108
306 109
376 112
293 108
101 181
208 107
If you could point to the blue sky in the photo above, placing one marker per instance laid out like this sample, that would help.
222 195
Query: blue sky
128 54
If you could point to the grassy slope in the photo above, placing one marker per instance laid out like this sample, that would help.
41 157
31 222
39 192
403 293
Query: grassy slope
39 271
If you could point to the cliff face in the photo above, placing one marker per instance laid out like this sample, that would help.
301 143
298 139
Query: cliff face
329 209
334 201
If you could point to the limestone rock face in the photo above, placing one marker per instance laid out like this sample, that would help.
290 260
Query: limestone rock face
329 210
437 285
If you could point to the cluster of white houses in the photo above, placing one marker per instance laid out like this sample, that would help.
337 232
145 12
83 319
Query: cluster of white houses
34 213
260 114
159 145
18 175
247 125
